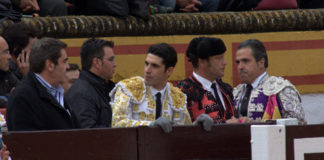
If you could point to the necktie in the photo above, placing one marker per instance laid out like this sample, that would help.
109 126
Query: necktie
245 101
158 105
218 101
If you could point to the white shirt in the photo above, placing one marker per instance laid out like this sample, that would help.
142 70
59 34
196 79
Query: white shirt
257 80
155 91
207 86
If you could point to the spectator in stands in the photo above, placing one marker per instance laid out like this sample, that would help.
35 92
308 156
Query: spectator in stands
20 38
38 102
206 93
71 75
44 7
7 80
210 5
89 95
152 101
262 97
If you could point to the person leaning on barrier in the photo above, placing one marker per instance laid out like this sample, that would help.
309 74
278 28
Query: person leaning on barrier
38 102
261 96
206 92
89 95
151 101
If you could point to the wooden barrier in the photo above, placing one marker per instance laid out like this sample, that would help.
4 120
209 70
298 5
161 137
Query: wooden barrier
96 144
142 143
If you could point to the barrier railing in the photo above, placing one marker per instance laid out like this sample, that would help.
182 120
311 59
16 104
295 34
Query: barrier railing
178 23
142 143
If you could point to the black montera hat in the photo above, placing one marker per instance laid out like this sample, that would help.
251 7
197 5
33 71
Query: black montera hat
209 46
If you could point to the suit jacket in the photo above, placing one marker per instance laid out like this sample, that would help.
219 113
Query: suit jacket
31 107
89 97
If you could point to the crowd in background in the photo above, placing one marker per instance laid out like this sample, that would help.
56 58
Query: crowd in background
87 102
142 8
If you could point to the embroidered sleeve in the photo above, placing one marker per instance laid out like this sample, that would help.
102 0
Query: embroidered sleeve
292 107
122 111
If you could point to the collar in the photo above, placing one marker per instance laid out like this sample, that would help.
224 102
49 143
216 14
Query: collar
257 80
155 91
95 80
204 82
48 86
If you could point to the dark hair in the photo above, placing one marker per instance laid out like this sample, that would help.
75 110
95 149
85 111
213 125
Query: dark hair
73 67
17 36
166 52
258 50
203 48
45 49
93 48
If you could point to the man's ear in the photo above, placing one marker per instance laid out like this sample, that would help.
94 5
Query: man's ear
96 63
49 65
169 71
261 62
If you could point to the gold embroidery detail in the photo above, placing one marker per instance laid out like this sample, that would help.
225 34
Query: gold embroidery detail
176 115
178 97
142 115
136 108
150 103
135 86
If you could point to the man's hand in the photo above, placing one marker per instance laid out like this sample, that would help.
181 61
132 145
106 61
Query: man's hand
205 120
164 123
232 120
23 62
245 120
29 5
188 5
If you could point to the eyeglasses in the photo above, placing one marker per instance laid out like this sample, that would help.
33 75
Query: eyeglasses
111 59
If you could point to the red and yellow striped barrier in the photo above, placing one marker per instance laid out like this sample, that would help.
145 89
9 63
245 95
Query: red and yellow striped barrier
297 56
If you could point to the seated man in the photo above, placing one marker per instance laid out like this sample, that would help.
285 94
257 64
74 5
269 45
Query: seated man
151 100
205 90
262 97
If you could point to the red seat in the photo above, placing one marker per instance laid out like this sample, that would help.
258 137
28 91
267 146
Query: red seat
276 4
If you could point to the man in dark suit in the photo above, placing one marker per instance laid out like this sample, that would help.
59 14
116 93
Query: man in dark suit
38 102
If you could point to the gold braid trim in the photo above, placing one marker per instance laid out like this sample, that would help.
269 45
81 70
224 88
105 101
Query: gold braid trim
178 97
135 86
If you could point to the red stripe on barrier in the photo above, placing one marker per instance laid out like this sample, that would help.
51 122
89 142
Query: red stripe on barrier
128 49
306 80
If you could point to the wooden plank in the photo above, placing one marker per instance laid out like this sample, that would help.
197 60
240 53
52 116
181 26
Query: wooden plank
307 131
116 144
314 156
192 142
